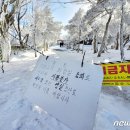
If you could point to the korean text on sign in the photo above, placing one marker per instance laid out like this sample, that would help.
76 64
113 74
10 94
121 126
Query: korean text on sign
116 74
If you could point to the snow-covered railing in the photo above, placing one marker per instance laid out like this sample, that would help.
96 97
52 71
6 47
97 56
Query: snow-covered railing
37 51
114 62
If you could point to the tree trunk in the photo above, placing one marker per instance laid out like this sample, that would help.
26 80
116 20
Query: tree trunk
83 46
6 49
1 5
102 48
126 40
0 53
79 40
121 34
95 45
74 45
19 31
117 42
34 29
34 42
46 46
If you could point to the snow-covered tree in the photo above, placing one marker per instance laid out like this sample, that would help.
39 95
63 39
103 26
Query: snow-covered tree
7 14
102 9
18 26
75 26
47 30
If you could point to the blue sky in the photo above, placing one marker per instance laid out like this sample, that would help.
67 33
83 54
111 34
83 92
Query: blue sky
64 12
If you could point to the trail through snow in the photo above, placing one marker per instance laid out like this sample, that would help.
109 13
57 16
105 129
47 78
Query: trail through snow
17 113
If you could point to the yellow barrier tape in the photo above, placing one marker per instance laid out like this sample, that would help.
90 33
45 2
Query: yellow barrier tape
117 74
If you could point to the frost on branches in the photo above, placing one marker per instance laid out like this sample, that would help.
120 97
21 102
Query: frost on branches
7 12
106 22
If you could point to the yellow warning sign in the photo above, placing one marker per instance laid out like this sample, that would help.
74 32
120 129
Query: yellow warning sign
117 74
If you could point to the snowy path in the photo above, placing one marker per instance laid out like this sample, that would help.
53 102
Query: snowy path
16 113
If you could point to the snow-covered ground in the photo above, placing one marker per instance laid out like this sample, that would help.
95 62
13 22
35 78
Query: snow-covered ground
17 113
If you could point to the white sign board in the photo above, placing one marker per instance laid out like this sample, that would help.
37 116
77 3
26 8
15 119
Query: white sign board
67 91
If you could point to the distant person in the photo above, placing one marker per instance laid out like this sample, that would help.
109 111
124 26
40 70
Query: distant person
61 44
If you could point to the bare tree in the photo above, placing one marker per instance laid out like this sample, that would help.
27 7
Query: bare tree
117 42
7 17
17 27
6 21
103 45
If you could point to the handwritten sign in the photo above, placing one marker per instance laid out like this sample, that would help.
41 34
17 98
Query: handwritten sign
67 91
116 74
